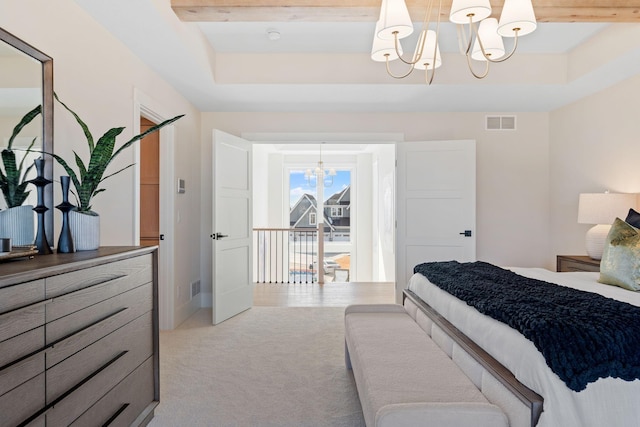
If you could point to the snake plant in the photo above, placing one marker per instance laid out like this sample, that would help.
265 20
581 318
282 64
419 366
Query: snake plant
13 178
101 153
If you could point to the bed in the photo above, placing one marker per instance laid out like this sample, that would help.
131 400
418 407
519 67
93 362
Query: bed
607 401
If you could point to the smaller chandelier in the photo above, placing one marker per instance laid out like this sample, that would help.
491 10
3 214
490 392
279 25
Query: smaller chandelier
320 173
478 42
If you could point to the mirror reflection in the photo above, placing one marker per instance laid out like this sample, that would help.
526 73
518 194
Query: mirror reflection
20 92
24 72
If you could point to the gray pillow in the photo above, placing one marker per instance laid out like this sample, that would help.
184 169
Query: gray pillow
620 264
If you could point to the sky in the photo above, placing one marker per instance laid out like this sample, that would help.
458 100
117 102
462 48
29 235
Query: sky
298 185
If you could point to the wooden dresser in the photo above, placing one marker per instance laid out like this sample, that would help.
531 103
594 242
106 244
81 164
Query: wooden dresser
79 339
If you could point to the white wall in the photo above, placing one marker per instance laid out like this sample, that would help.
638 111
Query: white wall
96 76
594 147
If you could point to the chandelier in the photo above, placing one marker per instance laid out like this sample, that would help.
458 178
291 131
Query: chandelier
479 35
320 173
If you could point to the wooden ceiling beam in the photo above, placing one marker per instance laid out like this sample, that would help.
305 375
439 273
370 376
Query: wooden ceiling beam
369 10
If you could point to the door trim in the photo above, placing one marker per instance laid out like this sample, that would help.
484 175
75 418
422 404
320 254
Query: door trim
145 106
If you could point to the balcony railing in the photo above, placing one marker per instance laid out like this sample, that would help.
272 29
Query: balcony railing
285 255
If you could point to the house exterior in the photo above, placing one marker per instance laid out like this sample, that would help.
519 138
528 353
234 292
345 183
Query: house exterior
337 214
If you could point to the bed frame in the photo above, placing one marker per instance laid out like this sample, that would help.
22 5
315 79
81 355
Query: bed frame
528 397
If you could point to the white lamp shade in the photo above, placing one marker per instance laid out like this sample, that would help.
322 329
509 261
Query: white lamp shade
491 41
462 9
604 208
517 14
430 45
394 16
382 47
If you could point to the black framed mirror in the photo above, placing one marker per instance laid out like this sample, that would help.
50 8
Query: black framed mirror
26 81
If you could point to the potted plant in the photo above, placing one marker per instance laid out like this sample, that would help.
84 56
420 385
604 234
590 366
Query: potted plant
85 223
17 220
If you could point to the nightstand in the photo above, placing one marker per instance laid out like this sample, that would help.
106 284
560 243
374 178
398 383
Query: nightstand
577 263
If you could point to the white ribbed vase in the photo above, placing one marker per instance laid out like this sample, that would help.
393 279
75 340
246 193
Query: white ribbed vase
85 230
18 224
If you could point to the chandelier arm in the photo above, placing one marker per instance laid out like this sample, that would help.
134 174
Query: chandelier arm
463 39
478 76
398 76
428 78
504 58
416 56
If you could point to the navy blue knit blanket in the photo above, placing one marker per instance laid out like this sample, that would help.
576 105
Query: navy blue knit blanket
583 336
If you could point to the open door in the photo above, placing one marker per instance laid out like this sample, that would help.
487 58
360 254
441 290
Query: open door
436 205
231 226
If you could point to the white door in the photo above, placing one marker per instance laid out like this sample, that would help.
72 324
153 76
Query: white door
231 226
436 205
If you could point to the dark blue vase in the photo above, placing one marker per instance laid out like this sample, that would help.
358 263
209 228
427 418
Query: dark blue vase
65 242
40 182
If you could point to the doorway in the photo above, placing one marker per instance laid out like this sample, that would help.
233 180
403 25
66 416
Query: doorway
361 251
144 107
149 185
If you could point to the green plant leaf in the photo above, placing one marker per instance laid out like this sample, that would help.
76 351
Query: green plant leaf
101 154
82 124
145 133
25 121
12 178
117 172
26 172
80 164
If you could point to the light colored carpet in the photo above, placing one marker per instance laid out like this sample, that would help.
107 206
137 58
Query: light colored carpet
268 366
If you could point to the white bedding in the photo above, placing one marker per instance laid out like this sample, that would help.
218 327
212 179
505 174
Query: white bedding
606 402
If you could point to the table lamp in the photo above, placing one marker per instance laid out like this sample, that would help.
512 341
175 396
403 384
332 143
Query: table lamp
602 209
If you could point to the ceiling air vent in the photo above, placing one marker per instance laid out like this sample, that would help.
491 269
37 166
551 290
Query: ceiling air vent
501 123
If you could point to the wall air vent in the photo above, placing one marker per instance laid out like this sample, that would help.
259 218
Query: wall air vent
500 123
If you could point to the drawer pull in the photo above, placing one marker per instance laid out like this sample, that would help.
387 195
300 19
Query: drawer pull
116 415
85 380
74 388
102 319
32 305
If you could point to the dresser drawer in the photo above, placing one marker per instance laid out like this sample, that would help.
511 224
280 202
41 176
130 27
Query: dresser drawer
139 302
77 300
21 320
21 345
69 325
21 372
88 374
17 296
22 402
122 405
138 269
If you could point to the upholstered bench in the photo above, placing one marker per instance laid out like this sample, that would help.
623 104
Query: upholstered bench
404 379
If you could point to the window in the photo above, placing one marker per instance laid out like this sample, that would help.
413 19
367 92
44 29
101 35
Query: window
312 218
336 212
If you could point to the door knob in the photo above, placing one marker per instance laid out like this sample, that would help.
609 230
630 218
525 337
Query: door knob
218 236
467 233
